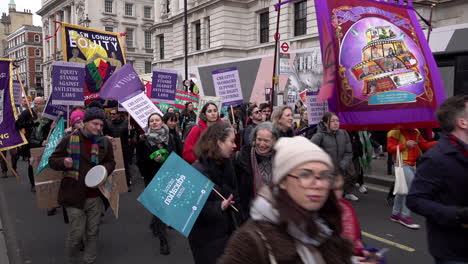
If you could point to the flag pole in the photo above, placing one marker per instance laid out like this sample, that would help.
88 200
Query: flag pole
220 195
9 165
18 76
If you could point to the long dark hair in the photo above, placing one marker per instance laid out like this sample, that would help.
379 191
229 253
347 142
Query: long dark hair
335 249
203 110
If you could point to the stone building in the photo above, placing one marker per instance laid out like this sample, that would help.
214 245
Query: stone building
11 22
133 17
24 46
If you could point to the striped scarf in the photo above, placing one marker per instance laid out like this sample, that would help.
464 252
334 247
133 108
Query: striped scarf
74 150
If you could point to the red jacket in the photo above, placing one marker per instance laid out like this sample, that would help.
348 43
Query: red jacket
350 225
400 137
191 140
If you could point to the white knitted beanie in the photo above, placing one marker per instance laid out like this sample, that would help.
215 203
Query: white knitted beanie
292 152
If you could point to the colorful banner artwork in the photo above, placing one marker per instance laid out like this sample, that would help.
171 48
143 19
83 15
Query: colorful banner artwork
101 51
10 137
122 84
68 83
177 194
386 74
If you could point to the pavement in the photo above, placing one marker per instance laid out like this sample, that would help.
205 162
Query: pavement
33 237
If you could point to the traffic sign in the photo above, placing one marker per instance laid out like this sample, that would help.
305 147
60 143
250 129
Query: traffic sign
285 47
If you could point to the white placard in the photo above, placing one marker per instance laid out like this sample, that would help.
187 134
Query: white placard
140 108
315 110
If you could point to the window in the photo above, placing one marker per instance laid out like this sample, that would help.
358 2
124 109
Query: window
128 9
37 38
207 32
147 12
147 66
198 36
264 27
161 47
38 66
108 6
300 18
168 7
38 82
130 37
37 52
147 40
109 29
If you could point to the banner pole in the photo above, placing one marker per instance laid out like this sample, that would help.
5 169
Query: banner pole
233 117
8 165
54 122
68 116
18 76
220 195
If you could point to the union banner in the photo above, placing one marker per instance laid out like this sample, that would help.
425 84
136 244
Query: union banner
385 74
100 51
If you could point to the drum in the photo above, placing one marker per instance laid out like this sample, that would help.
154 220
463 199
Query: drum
96 176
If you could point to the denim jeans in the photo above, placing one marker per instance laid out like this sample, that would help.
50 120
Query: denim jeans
399 203
84 225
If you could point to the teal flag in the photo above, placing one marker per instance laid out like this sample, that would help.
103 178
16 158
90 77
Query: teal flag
177 194
54 140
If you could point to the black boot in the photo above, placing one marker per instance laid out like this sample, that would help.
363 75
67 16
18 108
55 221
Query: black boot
164 247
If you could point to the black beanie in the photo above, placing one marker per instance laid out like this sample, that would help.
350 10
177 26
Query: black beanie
92 113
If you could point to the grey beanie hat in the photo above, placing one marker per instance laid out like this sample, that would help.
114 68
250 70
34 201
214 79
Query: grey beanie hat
94 113
292 152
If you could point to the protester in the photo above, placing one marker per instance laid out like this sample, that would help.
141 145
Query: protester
297 220
117 127
171 121
209 116
253 163
35 129
303 123
153 149
411 145
337 144
188 118
265 108
282 119
439 188
255 116
170 110
76 121
76 154
217 220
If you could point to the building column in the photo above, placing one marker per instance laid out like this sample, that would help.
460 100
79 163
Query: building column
157 11
174 6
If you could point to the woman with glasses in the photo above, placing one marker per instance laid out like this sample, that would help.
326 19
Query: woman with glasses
337 143
254 163
217 219
297 219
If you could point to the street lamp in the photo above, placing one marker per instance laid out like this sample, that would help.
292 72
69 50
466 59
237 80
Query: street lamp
86 21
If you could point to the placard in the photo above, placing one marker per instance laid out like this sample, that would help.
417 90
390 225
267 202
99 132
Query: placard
68 83
164 86
140 108
227 86
315 110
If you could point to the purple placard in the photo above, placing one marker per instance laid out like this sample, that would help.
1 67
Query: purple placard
10 137
52 111
388 76
17 93
68 83
164 86
227 86
121 84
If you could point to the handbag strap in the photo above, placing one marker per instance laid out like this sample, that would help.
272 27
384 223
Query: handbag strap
399 158
262 244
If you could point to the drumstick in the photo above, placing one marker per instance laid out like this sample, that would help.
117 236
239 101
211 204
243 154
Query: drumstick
220 195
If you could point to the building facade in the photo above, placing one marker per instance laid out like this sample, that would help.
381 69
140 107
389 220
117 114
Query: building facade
133 17
24 47
11 22
223 30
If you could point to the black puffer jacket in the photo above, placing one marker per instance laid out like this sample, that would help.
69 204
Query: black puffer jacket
337 144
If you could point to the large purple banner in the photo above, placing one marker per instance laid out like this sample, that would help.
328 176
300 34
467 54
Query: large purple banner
52 111
9 136
386 77
122 84
68 83
164 86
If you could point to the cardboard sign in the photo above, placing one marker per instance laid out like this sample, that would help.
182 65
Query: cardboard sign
47 182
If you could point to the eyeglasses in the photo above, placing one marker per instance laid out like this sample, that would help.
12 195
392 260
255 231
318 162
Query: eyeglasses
256 112
113 113
309 177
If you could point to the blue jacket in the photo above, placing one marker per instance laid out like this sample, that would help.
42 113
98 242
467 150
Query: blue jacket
438 192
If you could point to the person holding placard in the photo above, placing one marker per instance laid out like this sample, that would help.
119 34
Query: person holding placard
188 118
217 220
76 155
153 149
209 115
282 119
